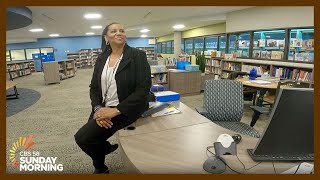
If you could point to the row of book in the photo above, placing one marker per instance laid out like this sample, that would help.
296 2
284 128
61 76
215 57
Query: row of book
268 54
14 67
232 66
303 56
307 44
209 69
269 43
242 53
294 74
260 69
212 62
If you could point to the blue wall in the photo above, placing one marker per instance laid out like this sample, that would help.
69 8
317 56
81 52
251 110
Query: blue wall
73 44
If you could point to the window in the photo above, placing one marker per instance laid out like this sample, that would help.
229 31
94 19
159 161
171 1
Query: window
211 43
198 44
30 52
169 47
188 43
301 45
18 54
268 44
8 55
222 43
158 47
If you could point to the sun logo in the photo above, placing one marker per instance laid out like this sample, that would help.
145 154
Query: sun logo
21 143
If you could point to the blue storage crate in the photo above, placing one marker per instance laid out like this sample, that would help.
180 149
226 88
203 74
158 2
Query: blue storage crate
192 67
166 96
182 64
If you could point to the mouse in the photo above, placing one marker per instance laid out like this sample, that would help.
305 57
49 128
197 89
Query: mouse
237 138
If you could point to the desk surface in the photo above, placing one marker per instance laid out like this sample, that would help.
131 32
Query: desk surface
169 144
149 124
10 84
246 82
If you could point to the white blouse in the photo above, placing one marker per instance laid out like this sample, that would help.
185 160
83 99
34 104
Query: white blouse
108 83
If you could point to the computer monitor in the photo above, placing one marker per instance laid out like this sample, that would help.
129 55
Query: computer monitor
289 134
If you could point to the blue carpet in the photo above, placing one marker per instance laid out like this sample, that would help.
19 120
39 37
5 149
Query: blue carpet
27 97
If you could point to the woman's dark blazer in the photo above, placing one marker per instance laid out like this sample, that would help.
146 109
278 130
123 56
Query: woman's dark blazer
133 78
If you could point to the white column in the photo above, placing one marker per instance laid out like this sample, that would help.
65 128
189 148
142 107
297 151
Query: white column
177 43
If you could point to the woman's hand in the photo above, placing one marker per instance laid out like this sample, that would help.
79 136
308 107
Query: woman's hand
106 123
105 113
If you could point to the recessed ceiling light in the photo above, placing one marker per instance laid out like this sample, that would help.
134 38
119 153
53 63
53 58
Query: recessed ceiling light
92 16
143 35
144 30
96 27
178 26
90 33
54 35
36 30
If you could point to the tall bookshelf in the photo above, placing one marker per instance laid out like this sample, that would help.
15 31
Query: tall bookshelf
94 55
19 68
75 56
149 52
301 72
67 68
85 57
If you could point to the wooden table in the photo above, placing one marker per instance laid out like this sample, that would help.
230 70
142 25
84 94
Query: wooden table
261 88
177 144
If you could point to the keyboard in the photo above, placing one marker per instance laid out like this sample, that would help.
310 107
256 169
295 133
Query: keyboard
300 157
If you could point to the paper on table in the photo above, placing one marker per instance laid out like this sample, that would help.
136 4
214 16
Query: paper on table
260 82
166 111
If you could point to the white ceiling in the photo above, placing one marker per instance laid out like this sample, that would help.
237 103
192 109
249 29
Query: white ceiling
69 21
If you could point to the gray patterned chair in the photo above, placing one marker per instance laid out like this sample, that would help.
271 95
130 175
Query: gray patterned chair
223 105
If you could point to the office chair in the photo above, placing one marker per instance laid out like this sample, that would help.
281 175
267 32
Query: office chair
249 94
15 95
257 110
223 105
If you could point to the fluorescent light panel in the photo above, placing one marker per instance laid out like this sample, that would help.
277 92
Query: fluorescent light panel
96 27
144 30
90 33
178 26
54 35
36 30
92 16
143 35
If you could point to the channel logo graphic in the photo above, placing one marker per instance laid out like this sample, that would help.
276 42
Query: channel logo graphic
29 160
23 143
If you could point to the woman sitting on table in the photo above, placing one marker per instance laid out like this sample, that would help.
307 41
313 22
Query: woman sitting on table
119 92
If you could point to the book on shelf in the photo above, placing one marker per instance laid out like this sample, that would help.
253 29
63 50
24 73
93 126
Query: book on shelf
276 55
294 42
263 54
271 43
281 43
232 56
256 54
255 43
268 55
262 43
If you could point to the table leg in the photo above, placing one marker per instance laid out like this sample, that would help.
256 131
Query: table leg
259 102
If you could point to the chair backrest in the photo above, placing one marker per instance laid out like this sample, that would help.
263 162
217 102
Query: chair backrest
289 84
234 75
223 99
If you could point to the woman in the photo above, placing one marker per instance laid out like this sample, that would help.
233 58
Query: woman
119 94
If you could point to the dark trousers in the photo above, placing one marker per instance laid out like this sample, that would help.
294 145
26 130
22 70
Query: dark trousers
92 139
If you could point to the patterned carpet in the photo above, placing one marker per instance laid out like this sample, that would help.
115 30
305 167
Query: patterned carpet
27 97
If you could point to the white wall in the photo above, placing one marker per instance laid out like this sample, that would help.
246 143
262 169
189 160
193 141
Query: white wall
269 17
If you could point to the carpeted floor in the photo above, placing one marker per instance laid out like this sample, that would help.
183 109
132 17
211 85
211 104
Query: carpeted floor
62 109
27 97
